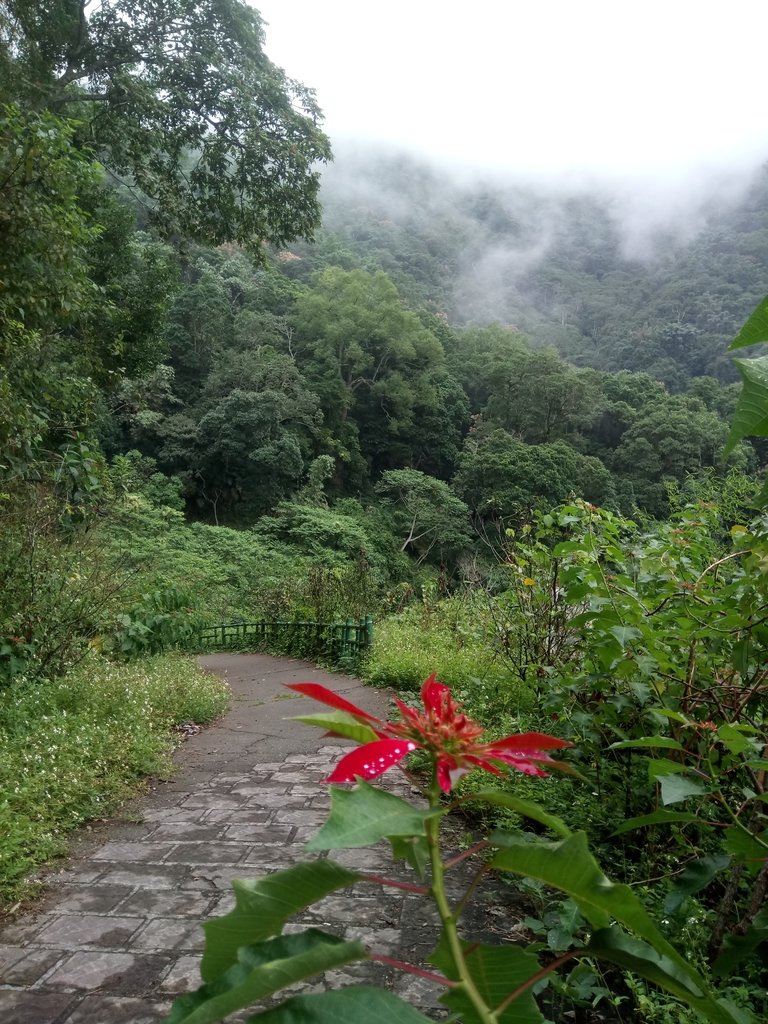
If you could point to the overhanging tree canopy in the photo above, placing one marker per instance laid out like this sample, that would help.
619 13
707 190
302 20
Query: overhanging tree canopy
179 101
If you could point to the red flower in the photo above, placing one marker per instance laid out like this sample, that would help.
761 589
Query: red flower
449 736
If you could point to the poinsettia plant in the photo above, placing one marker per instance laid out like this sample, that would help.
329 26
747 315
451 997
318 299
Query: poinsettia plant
249 958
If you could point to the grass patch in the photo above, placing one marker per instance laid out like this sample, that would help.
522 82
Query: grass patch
411 646
73 748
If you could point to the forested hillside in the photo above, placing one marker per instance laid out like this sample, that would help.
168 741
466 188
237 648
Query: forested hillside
237 382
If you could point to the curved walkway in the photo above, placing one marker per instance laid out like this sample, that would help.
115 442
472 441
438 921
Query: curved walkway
118 934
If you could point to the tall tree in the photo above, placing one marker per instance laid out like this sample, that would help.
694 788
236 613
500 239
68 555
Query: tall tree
180 103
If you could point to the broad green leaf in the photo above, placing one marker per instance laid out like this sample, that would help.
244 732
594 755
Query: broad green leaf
358 1004
570 867
735 739
656 818
341 724
496 971
750 418
755 330
696 876
263 906
675 788
262 969
660 766
737 948
624 634
746 848
614 945
649 742
413 850
526 808
364 815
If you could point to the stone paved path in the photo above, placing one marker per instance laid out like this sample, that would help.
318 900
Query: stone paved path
118 935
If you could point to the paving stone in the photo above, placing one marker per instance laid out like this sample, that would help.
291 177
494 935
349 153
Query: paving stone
150 852
115 973
167 904
73 931
98 1009
303 816
175 814
24 966
273 834
177 830
207 853
24 931
20 1007
99 899
154 876
244 815
169 933
184 976
217 800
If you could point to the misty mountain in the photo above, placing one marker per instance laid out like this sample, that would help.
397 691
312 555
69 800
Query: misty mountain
563 267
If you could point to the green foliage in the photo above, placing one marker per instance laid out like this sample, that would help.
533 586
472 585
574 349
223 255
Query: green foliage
59 585
161 620
133 73
501 476
72 748
448 637
432 521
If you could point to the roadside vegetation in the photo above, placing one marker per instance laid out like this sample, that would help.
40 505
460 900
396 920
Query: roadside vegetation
72 749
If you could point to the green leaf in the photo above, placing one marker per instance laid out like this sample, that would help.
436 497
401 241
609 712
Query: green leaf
414 850
696 876
746 849
526 808
660 766
365 815
750 418
263 906
613 945
650 742
340 724
656 818
570 867
496 971
734 738
262 969
675 788
359 1004
755 330
737 948
624 634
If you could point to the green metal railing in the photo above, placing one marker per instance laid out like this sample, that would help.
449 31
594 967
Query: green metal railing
334 643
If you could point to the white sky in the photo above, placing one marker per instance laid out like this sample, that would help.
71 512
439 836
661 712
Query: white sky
628 88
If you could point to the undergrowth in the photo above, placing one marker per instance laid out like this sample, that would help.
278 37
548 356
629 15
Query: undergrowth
72 748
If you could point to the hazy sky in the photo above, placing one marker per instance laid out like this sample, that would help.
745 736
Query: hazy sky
607 87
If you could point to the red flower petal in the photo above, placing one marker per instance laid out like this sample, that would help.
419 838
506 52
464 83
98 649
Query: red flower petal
432 693
325 696
487 766
444 775
529 742
371 760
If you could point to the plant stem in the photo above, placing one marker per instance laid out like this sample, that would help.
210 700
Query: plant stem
537 977
432 826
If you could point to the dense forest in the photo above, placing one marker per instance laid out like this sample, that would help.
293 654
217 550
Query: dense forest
238 381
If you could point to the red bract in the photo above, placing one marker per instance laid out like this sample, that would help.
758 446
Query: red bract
441 729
